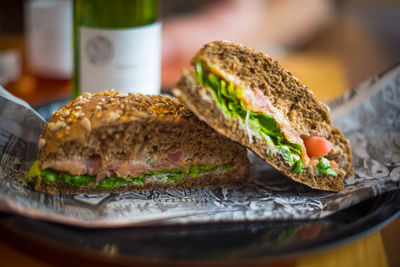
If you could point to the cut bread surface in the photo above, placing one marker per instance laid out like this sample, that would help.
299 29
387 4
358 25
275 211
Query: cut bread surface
112 142
254 101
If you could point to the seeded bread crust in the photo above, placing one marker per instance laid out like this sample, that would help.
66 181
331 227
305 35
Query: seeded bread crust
249 69
113 126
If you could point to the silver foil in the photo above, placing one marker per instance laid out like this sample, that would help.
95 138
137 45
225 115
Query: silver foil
369 115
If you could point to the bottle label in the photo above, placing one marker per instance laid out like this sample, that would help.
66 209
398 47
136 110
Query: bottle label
127 60
49 38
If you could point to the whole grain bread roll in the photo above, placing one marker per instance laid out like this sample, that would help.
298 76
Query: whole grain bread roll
113 142
248 97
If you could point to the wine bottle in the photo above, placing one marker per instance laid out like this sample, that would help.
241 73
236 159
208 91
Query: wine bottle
117 45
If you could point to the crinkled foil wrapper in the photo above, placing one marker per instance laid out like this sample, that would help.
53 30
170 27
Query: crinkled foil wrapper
369 115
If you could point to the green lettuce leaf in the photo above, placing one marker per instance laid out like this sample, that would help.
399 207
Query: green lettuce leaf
112 182
201 168
34 171
174 178
297 167
228 166
323 167
229 99
50 175
199 73
171 175
76 180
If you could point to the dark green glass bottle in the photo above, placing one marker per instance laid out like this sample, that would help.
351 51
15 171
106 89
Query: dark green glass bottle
117 45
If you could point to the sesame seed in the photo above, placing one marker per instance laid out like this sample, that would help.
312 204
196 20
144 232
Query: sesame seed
55 126
65 113
42 143
112 116
85 122
87 94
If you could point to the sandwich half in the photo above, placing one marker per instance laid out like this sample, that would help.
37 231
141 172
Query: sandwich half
248 97
113 142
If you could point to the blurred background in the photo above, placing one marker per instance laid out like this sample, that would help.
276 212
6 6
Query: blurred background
331 45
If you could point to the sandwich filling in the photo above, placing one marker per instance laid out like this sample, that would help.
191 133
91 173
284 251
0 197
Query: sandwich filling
160 176
261 119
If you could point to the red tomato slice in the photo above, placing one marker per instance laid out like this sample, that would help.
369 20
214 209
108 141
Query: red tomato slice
317 146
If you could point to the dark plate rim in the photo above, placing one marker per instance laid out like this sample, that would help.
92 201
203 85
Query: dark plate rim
385 209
